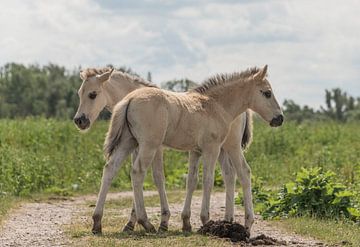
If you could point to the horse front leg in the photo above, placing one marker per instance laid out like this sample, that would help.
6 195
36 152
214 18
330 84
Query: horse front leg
209 159
191 183
228 174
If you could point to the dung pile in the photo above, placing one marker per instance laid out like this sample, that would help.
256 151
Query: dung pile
236 233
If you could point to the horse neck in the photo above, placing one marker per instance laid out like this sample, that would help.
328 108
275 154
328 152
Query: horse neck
234 98
117 89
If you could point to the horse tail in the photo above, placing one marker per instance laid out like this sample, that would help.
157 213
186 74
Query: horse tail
248 131
117 123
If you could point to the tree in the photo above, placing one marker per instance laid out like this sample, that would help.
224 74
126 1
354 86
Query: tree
293 111
149 76
181 85
49 91
339 105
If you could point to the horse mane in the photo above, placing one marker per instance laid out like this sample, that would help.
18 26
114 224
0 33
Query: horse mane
90 72
133 78
222 79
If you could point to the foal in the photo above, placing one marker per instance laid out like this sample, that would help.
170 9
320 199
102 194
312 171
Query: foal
197 121
103 88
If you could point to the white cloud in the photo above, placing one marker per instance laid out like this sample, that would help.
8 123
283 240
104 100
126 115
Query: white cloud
309 45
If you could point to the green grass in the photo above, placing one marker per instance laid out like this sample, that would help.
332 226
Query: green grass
276 154
171 238
38 154
7 203
330 231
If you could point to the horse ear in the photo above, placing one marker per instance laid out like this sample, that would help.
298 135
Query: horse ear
265 69
259 76
82 75
105 76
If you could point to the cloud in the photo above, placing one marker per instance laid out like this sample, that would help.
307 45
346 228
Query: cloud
309 45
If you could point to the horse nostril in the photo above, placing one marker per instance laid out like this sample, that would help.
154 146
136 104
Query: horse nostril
80 120
281 118
277 121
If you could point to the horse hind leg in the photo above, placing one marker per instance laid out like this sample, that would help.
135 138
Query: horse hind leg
142 162
159 179
130 225
126 146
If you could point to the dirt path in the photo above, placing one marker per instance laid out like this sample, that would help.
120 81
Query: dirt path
43 223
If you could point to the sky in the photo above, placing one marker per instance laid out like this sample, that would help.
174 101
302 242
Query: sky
309 46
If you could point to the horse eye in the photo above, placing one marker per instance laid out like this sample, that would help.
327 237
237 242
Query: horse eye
92 95
267 94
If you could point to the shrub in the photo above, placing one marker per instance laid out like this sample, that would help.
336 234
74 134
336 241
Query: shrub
313 193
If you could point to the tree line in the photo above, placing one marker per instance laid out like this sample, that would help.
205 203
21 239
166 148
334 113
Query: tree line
51 91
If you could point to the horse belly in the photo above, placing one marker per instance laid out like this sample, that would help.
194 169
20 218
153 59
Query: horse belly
181 141
182 135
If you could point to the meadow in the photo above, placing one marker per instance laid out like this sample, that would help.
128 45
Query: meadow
49 155
44 157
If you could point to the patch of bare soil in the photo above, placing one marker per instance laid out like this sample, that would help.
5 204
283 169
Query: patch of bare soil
38 224
43 223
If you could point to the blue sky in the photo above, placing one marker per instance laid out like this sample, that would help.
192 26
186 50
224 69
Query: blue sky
309 46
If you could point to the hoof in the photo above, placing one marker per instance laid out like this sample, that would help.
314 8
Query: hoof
147 226
163 228
151 229
204 219
247 232
128 228
96 231
186 228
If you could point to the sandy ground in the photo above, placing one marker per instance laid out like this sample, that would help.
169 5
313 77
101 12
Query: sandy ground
43 223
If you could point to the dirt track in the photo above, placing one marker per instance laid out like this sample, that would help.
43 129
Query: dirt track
43 223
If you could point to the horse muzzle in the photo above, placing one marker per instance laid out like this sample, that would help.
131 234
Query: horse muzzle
277 121
82 122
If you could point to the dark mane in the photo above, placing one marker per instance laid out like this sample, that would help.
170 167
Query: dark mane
221 79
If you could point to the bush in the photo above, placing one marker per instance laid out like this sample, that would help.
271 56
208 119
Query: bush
313 193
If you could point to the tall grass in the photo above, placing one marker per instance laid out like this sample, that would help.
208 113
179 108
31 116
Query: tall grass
37 154
277 154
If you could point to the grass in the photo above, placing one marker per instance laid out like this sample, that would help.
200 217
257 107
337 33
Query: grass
330 231
171 238
277 154
116 216
39 155
7 203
